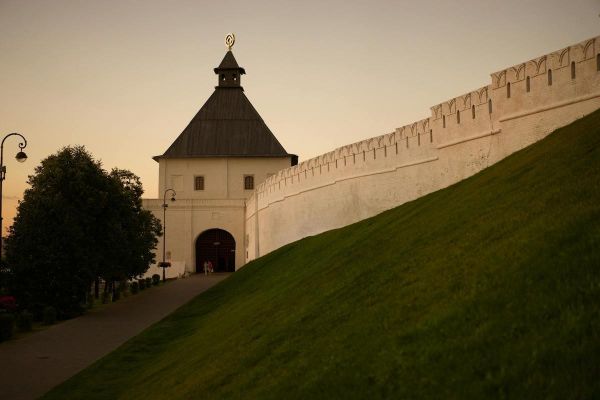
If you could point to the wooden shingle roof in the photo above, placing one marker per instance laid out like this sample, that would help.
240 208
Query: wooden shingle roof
227 124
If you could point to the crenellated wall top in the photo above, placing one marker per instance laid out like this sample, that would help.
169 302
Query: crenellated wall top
540 65
583 51
464 102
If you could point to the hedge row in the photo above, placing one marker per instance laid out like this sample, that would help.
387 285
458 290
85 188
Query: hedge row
12 320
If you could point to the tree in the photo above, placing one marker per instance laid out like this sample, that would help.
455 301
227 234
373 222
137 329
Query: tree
76 223
133 230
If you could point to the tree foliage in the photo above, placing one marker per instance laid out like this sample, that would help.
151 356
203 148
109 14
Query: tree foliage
77 222
134 230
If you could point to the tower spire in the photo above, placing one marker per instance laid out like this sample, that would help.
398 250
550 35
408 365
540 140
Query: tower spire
229 72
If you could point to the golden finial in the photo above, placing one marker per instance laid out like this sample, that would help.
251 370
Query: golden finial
229 41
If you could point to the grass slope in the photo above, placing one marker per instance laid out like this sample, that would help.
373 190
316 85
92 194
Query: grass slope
489 288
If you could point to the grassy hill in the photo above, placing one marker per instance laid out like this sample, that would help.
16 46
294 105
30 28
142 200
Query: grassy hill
487 289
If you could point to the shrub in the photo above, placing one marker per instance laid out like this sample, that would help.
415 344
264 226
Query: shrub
89 303
49 316
134 287
155 279
142 283
71 313
148 282
25 321
7 326
105 297
8 303
125 289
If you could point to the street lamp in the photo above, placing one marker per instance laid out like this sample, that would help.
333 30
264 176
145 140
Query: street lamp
165 264
21 157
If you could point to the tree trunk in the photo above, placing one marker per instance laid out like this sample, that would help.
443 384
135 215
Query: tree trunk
97 288
113 284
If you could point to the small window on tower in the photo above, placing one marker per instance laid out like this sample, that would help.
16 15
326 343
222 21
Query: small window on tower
198 183
248 182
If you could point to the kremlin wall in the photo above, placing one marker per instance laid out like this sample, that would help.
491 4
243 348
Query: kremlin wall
463 135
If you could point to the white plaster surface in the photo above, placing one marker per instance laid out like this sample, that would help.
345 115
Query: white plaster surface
363 179
220 205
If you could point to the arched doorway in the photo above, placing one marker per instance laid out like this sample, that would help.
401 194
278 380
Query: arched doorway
218 247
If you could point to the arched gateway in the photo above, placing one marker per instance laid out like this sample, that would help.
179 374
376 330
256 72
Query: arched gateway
218 247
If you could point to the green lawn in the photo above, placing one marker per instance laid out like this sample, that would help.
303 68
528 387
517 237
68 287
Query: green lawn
487 289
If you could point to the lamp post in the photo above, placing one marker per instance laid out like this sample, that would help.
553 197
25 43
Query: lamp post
21 157
163 264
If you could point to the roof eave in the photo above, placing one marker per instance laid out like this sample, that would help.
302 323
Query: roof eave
242 70
158 158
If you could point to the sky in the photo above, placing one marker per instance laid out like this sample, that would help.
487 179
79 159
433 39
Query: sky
124 78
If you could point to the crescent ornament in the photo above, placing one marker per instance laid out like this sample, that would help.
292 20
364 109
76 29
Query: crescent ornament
229 41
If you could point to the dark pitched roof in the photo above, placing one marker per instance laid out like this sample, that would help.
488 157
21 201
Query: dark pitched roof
226 125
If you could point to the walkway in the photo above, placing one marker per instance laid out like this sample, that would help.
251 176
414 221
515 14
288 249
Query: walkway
37 362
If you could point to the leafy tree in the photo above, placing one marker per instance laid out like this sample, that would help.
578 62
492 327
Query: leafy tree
76 223
133 230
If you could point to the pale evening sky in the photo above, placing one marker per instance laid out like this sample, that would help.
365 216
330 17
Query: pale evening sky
124 78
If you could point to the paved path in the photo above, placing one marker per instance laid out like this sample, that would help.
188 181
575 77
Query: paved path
36 363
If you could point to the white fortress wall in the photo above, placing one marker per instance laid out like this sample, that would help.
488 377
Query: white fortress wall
460 138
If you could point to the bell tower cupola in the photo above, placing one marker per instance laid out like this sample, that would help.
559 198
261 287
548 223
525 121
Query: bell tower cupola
229 72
